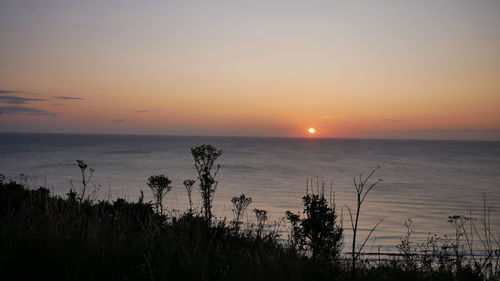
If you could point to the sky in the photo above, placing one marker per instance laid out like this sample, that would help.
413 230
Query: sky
349 69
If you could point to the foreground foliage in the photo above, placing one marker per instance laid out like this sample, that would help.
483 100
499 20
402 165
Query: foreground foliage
318 230
46 237
79 238
53 238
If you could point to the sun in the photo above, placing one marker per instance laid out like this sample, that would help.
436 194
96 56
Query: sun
311 131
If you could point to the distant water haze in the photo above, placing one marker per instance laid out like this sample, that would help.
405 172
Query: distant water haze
426 181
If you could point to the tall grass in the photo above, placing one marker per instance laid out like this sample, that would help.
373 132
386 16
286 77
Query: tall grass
55 238
79 238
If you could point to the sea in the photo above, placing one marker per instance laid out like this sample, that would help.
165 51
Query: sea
423 181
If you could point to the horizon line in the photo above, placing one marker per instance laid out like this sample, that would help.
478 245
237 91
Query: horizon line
248 136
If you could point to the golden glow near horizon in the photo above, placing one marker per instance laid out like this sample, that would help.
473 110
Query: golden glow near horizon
384 69
311 131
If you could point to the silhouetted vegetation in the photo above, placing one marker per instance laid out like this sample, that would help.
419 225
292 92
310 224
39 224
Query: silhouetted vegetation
362 191
261 216
240 205
188 184
204 160
79 238
160 185
85 178
318 230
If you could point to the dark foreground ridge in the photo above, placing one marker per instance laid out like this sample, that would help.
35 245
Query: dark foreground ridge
50 238
46 237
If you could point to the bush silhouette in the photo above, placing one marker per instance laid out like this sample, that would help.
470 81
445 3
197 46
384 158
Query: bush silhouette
318 231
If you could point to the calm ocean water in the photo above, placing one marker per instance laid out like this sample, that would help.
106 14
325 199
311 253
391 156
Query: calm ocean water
426 181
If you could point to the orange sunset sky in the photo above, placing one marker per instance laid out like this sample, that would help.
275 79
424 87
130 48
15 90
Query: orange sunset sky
350 69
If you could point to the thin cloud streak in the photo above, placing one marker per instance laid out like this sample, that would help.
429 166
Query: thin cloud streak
68 98
10 92
17 100
18 110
